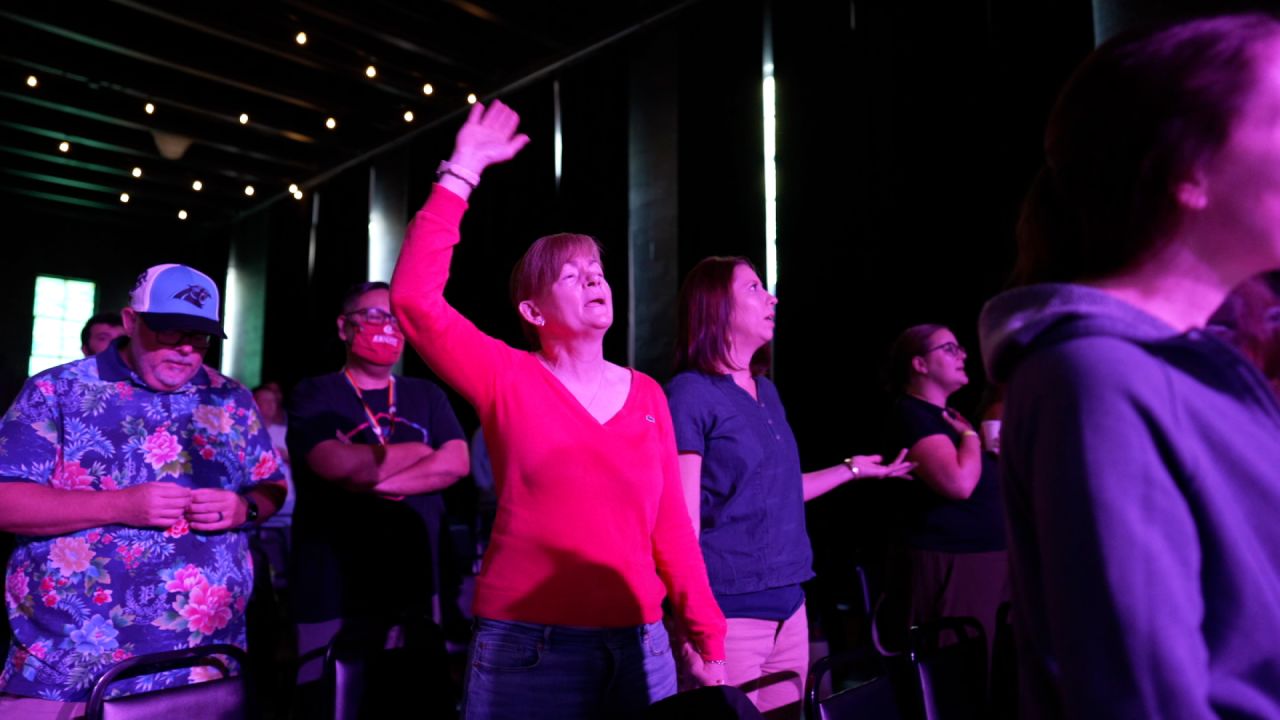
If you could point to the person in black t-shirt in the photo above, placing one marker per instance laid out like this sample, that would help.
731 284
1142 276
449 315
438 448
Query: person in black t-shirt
953 561
371 451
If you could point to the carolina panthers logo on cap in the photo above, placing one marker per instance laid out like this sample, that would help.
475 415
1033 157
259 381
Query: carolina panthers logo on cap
193 294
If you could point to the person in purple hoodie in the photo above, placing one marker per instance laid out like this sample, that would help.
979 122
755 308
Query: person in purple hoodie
1141 455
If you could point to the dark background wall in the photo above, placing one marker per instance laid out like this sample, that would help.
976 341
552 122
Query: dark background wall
907 133
72 244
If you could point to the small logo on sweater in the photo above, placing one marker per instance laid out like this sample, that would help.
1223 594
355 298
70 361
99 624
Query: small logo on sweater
650 418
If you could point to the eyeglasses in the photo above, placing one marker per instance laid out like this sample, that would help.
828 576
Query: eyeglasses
951 348
174 338
376 316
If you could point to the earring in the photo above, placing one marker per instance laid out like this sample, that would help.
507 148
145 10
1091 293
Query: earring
539 322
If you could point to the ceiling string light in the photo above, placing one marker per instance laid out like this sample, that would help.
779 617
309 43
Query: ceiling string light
149 108
137 172
64 146
371 72
331 123
197 186
248 190
293 188
427 89
471 98
32 81
300 38
408 116
182 214
244 118
124 197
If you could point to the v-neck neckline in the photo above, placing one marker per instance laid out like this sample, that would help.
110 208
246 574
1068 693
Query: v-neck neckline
557 382
728 378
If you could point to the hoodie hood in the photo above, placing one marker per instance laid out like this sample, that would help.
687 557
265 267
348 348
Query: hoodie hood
1012 322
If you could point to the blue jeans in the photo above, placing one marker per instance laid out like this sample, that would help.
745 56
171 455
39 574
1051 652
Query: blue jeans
526 671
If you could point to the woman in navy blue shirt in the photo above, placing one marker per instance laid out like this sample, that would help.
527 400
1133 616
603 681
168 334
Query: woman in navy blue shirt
953 561
742 479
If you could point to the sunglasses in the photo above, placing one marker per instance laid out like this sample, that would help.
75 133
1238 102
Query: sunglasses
174 338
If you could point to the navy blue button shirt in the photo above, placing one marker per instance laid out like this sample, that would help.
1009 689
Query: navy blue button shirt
752 509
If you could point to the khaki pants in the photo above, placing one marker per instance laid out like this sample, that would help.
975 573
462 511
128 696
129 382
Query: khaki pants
768 661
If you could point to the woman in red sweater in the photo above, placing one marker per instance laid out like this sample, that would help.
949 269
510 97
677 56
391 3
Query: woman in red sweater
591 530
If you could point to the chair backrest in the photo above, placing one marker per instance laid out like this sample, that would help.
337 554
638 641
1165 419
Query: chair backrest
224 699
376 668
950 657
850 685
719 702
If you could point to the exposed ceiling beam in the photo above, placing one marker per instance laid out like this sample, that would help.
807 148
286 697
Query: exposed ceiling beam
144 57
122 122
385 37
206 27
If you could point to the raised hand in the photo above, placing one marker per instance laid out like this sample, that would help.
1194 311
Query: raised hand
488 137
957 421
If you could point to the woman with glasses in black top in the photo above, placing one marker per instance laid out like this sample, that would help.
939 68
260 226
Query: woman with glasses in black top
953 560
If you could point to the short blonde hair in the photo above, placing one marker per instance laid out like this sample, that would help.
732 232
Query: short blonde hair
540 268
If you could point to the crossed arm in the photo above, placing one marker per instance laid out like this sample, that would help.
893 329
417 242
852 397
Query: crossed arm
397 469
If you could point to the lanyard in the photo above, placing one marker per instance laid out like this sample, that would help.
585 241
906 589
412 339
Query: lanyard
378 431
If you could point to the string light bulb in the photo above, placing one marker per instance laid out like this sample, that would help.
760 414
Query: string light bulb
408 116
248 190
297 195
300 38
64 146
124 197
32 81
150 108
471 98
244 118
197 186
293 188
137 172
371 72
427 89
182 214
331 123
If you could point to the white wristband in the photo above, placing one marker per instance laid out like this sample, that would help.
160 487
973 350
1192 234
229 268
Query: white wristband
463 174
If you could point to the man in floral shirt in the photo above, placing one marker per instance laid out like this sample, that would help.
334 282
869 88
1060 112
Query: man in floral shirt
128 478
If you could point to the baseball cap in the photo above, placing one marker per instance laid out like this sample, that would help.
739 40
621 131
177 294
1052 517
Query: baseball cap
177 297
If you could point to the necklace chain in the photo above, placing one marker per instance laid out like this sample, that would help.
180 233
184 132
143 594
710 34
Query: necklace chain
599 381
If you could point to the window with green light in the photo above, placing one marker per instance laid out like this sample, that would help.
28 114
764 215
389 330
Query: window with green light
62 306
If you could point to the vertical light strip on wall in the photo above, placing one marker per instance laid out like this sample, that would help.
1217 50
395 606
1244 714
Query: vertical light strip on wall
770 183
377 244
559 138
230 318
311 240
768 96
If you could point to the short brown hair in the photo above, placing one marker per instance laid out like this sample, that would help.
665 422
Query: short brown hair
540 267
